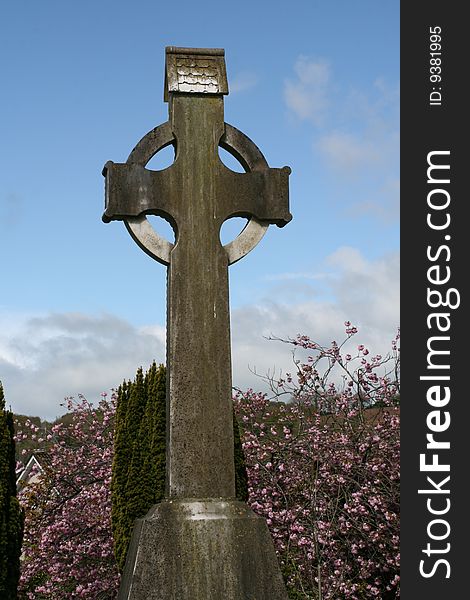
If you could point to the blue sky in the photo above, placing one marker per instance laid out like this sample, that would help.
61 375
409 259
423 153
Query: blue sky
314 84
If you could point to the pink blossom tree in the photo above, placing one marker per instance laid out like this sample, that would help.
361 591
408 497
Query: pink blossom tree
68 546
323 469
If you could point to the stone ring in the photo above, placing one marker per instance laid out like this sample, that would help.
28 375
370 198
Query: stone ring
241 148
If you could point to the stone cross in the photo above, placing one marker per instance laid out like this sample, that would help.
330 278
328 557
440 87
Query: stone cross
196 194
200 542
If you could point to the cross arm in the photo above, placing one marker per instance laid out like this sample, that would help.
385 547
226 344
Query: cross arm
132 190
262 194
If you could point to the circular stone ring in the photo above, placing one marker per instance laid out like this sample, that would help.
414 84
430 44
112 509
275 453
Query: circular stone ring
240 147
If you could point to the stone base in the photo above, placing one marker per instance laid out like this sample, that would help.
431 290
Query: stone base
208 549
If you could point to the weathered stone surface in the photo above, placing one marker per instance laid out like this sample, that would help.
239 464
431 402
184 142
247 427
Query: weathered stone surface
198 549
201 550
195 70
197 193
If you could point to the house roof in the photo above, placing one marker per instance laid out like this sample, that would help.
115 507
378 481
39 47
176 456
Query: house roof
33 467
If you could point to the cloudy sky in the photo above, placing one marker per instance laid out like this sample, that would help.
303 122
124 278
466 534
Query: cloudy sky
314 84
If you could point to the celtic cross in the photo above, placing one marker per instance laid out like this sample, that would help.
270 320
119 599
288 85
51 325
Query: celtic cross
196 194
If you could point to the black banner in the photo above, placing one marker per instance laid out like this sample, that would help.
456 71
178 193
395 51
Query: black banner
435 228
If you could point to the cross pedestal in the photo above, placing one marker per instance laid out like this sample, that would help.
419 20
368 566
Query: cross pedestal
199 543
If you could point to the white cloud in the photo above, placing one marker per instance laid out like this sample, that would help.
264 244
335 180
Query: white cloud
243 81
348 153
307 95
362 147
365 292
47 357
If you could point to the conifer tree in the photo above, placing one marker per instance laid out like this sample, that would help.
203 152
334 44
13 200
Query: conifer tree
241 477
120 468
138 477
153 435
11 515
